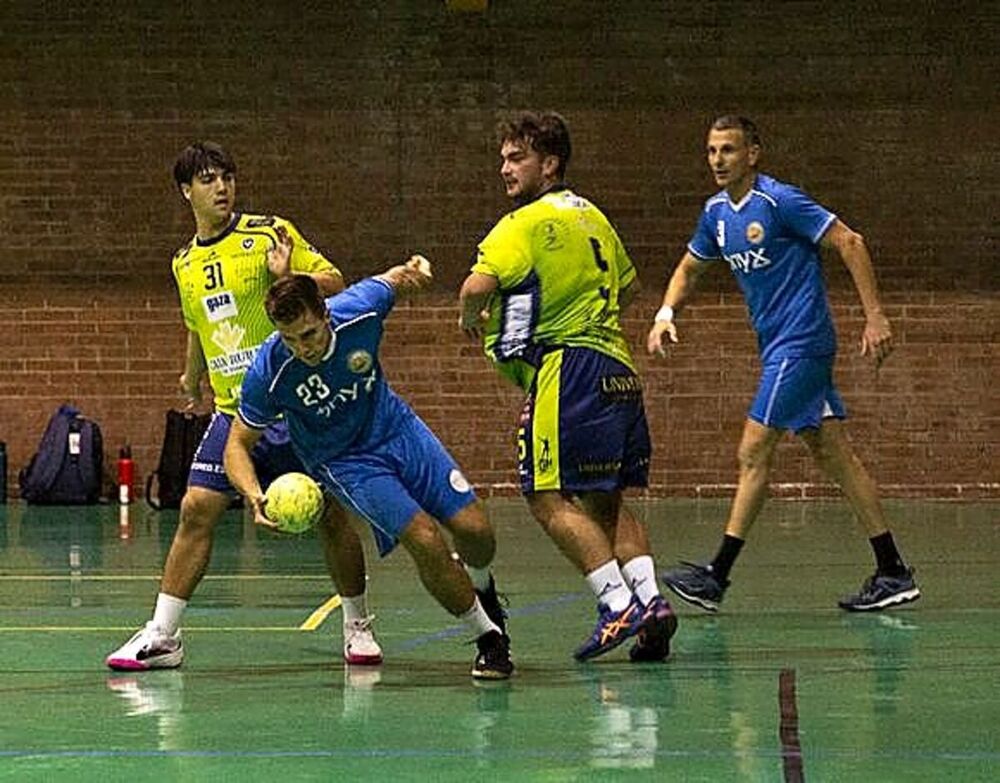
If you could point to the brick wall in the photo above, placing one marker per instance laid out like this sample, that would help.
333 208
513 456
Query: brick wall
370 125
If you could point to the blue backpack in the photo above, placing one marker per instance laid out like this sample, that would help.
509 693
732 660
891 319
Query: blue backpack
68 468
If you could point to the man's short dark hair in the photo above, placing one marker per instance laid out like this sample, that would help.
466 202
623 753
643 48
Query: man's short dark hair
544 132
737 122
291 297
202 156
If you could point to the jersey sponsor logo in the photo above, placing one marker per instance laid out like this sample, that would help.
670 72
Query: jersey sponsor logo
755 233
219 306
232 363
260 222
359 361
228 336
334 400
551 235
458 482
720 232
544 456
233 360
248 243
752 259
621 386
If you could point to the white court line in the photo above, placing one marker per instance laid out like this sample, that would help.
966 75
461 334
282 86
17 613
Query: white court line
136 578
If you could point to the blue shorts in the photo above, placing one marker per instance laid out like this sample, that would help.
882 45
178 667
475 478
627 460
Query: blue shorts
583 427
797 394
389 484
272 456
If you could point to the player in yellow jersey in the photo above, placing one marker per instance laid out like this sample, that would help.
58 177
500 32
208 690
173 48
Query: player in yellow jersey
545 295
222 278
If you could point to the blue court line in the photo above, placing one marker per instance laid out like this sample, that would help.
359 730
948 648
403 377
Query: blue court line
458 630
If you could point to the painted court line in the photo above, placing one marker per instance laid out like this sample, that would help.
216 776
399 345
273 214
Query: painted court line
788 728
314 620
146 578
458 630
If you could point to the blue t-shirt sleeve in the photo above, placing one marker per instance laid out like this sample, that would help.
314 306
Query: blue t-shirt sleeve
703 244
368 295
803 216
257 409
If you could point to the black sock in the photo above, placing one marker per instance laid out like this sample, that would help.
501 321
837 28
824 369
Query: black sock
726 556
887 557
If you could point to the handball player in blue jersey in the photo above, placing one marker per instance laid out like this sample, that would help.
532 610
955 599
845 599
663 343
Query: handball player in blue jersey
368 449
770 233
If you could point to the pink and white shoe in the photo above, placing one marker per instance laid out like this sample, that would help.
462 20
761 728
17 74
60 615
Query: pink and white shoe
149 648
360 646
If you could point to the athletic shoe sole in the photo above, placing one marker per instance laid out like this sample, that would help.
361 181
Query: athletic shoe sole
905 597
704 603
362 660
490 674
165 661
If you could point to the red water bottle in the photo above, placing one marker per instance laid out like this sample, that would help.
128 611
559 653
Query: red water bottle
126 474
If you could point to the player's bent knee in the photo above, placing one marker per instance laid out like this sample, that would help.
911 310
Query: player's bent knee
423 535
201 508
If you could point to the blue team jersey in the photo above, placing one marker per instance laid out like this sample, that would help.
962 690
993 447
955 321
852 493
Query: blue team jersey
770 240
342 404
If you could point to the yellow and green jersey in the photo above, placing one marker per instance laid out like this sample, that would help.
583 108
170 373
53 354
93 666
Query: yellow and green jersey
560 267
222 283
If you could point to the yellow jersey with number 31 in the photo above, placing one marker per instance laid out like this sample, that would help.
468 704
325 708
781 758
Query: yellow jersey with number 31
560 267
222 283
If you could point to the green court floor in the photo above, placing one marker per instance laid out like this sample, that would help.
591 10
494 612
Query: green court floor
779 686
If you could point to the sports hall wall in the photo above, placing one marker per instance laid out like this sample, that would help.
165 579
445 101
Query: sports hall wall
370 125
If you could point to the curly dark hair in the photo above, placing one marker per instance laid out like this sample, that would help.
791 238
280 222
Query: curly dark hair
544 132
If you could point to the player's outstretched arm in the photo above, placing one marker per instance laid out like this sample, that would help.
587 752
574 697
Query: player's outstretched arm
682 283
412 275
876 339
240 470
474 301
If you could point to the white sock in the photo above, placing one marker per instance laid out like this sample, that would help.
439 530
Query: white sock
354 607
609 586
477 621
167 615
640 575
480 577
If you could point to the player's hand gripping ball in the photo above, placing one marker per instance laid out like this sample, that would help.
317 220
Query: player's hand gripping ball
294 502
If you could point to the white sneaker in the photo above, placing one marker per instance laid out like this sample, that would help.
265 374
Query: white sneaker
149 648
360 647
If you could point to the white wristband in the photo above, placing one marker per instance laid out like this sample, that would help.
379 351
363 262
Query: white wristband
665 313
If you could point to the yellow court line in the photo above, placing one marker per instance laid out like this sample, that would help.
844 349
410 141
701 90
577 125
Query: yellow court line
314 620
106 628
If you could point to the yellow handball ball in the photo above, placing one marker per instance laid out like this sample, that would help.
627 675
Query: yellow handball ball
294 502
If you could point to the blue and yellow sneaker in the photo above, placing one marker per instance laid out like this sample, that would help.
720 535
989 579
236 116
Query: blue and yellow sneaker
612 629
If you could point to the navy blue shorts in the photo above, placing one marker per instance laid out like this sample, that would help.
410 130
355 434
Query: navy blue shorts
272 456
583 427
797 394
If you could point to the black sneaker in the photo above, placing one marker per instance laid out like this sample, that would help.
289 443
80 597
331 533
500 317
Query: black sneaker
881 591
697 584
490 601
493 661
652 643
